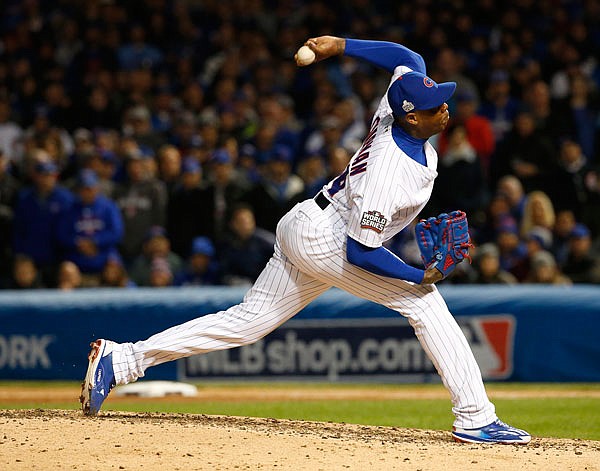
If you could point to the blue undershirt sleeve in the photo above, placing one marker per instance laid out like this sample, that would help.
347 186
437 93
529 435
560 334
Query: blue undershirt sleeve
381 262
384 54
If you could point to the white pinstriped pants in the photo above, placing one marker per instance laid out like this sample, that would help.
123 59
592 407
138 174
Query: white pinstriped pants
310 258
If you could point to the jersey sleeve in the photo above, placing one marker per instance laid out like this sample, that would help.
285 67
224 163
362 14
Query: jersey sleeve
384 54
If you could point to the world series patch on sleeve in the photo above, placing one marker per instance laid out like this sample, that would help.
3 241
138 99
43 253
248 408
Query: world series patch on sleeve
444 241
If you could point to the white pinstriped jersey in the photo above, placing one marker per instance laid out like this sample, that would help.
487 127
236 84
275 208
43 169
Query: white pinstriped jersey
382 189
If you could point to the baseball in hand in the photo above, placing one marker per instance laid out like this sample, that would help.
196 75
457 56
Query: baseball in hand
305 56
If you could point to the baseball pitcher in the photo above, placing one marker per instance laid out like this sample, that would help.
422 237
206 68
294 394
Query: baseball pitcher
336 239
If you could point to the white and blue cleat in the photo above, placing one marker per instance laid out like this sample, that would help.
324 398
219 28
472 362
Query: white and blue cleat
99 379
496 432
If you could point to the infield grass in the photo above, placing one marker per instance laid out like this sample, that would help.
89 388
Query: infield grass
545 410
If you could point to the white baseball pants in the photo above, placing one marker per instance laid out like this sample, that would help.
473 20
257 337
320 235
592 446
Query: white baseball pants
310 258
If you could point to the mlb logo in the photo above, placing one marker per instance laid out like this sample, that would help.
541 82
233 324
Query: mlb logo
492 341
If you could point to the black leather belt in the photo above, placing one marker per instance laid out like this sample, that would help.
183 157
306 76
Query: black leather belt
322 200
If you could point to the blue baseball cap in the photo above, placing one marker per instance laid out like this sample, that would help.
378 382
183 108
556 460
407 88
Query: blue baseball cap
115 257
108 156
508 224
221 156
580 231
190 165
46 167
203 245
155 231
87 178
541 235
281 153
415 91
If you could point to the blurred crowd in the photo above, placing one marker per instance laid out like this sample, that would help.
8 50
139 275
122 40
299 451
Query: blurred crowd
158 142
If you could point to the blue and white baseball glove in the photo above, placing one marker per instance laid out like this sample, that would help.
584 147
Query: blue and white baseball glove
444 241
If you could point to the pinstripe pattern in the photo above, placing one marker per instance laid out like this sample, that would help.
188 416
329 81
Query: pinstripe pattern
310 257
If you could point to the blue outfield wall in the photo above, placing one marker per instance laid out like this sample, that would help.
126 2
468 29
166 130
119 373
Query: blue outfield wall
522 333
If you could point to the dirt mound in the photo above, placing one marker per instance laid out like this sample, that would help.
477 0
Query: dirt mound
52 439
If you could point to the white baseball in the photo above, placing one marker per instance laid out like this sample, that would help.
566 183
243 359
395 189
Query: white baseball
305 56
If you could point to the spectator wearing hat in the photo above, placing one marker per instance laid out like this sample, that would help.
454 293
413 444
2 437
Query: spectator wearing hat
156 245
582 264
247 164
512 250
487 269
187 208
143 203
114 274
246 248
223 191
90 229
201 266
105 163
544 270
278 190
38 209
536 240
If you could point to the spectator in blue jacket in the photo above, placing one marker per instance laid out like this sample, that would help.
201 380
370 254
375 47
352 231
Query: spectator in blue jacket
91 229
37 211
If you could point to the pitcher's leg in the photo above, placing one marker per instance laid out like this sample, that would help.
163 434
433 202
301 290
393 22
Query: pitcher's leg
439 335
278 294
448 349
321 252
